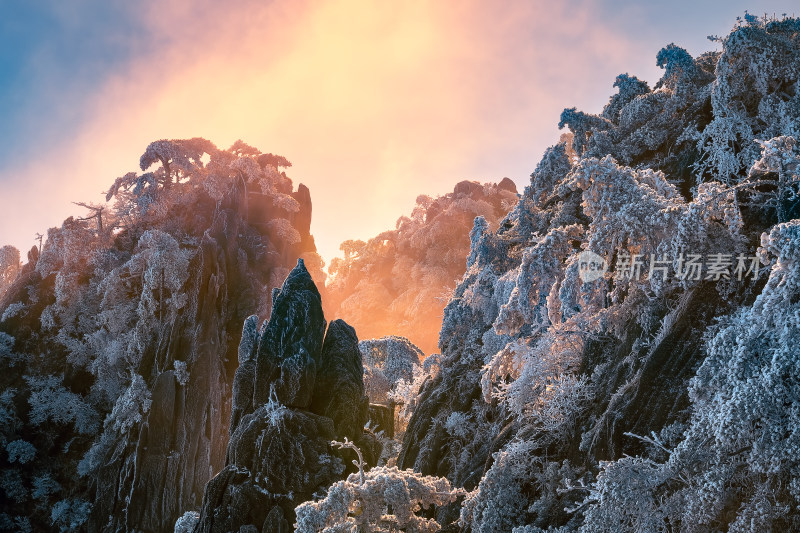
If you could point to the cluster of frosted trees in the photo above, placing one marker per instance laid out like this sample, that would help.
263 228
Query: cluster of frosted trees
398 282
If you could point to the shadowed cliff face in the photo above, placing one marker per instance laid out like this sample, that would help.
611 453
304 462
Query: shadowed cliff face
147 323
307 390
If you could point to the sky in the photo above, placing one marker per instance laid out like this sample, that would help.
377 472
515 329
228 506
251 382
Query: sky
373 102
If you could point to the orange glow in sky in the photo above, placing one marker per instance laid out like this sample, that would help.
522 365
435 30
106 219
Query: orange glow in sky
373 102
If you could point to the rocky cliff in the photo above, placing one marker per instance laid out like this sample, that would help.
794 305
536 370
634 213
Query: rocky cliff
298 388
129 336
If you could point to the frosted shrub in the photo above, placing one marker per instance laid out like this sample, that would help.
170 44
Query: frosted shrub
498 503
457 425
70 514
51 401
627 492
187 522
181 374
274 411
778 157
15 309
131 406
284 231
44 486
12 485
7 353
20 451
387 500
405 394
503 501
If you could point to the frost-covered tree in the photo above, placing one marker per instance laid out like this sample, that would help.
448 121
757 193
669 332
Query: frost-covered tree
735 466
384 499
397 282
778 158
50 401
70 514
754 96
387 361
178 158
96 213
583 126
502 502
677 64
187 522
629 88
20 451
405 392
9 267
8 355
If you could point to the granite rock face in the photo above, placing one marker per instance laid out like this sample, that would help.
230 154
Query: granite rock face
158 476
289 346
297 388
339 391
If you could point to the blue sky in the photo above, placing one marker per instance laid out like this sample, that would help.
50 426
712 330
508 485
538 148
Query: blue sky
373 103
50 60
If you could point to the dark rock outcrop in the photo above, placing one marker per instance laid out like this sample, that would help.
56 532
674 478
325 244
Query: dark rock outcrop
339 391
507 185
469 188
307 390
289 347
381 418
